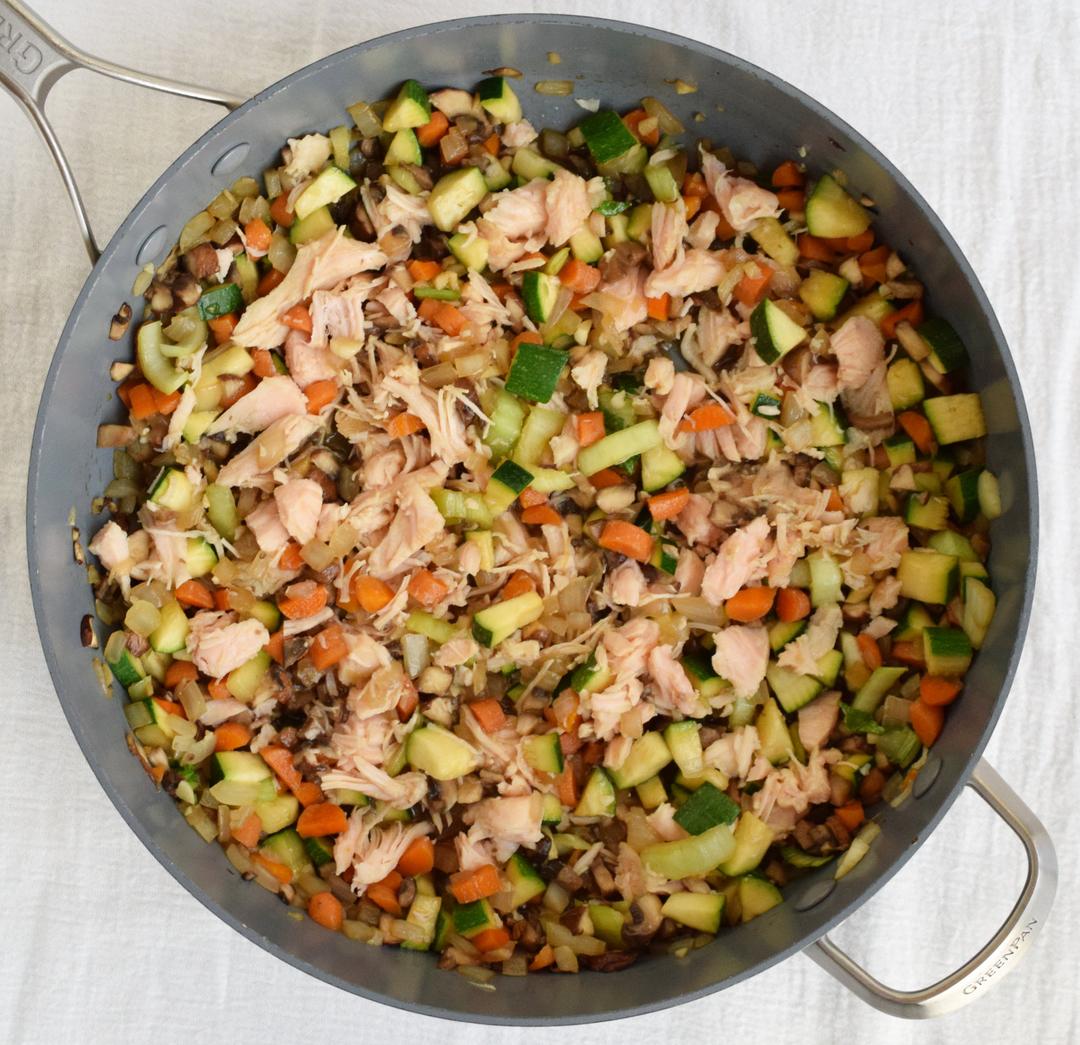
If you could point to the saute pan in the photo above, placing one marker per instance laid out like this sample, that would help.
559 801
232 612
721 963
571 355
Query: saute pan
760 118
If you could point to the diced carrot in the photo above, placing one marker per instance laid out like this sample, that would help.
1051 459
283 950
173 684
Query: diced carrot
142 402
502 290
157 773
280 760
237 388
477 884
792 604
634 119
835 503
222 326
170 707
927 720
372 593
450 319
520 583
166 404
910 653
267 283
423 271
526 337
404 424
870 650
489 714
490 939
850 814
658 308
408 700
320 394
570 743
123 390
627 539
257 235
530 498
541 515
429 133
872 264
223 599
937 691
279 210
792 200
860 243
491 143
427 589
724 229
565 787
308 793
750 604
325 909
231 735
275 648
328 648
919 429
322 819
418 858
751 288
218 690
544 957
297 318
195 593
911 313
302 603
264 363
607 477
277 869
692 205
788 176
290 558
813 248
590 427
385 897
248 832
668 504
706 418
694 185
179 672
579 277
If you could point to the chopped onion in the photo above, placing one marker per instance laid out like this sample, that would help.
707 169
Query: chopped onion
416 653
668 121
566 960
366 119
554 58
142 617
554 87
191 699
281 253
113 436
196 230
244 188
143 280
223 205
505 70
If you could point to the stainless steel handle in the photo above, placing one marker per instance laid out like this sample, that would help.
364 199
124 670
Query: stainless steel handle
1000 954
34 56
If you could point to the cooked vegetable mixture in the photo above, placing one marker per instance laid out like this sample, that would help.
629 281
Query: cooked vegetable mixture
539 548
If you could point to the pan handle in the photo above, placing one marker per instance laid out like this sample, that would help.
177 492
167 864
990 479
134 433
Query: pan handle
33 56
1000 954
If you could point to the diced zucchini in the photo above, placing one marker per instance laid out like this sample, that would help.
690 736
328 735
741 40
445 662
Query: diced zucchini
454 195
872 692
947 352
403 149
286 847
684 742
240 767
651 793
800 858
328 187
411 108
498 98
543 752
439 753
201 557
507 481
607 924
775 332
927 513
619 446
900 746
900 449
277 813
529 165
822 293
826 578
773 734
197 424
500 621
832 213
588 678
912 622
507 417
827 426
536 369
540 427
963 493
769 234
525 883
955 418
598 798
424 916
585 245
127 667
552 810
496 176
792 690
220 300
462 506
172 489
905 381
701 911
321 850
266 613
471 251
947 651
316 225
979 606
927 575
989 495
873 306
648 755
752 840
473 918
691 857
420 622
660 466
244 682
662 183
756 896
783 632
171 634
221 510
606 136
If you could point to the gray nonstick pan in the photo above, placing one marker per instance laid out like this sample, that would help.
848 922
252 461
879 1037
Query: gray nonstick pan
760 118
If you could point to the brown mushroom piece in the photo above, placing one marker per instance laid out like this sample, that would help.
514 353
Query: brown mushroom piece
645 919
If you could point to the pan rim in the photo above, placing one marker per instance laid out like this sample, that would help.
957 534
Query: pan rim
943 801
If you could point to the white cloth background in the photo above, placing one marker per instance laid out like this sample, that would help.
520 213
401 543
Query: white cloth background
975 102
